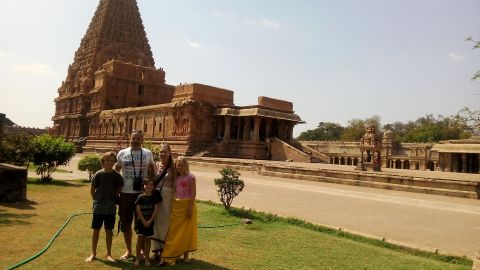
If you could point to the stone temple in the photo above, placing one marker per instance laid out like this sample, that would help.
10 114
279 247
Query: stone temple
113 87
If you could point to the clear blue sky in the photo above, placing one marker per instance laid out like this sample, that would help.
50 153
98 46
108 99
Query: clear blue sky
335 60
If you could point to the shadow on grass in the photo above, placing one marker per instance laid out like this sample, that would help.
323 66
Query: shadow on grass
55 182
194 264
14 219
25 205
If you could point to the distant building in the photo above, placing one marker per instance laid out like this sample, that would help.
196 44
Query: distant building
449 156
9 127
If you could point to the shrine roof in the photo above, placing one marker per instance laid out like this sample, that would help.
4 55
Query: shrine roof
258 111
457 148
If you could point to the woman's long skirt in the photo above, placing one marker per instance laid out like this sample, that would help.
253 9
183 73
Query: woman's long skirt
162 219
182 232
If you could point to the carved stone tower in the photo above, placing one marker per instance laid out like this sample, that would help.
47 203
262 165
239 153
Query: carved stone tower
112 68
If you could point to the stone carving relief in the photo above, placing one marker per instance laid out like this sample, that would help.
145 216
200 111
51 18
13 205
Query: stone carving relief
121 51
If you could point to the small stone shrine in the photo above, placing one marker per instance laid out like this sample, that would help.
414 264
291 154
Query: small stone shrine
371 149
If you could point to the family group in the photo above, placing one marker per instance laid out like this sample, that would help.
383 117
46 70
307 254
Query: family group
158 199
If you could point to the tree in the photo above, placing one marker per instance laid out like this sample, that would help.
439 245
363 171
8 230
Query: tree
90 163
326 131
229 186
16 149
49 152
470 118
356 128
400 129
430 129
476 45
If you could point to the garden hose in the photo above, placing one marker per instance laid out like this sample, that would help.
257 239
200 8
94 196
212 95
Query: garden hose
48 245
89 213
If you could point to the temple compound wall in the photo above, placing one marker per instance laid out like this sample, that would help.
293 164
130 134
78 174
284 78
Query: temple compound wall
7 127
449 156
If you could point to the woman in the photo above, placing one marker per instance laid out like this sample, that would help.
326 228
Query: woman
165 180
182 233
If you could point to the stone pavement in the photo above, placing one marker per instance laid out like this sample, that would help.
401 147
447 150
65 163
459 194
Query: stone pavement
429 222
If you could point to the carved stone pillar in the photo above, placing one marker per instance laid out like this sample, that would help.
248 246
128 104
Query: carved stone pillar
239 125
448 160
246 129
226 133
268 127
464 163
256 129
290 132
219 127
401 163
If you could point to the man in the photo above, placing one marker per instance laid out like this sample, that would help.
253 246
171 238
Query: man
136 164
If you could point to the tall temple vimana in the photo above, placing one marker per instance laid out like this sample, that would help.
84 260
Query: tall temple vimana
113 87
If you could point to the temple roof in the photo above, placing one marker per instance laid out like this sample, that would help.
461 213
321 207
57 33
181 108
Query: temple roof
259 111
115 32
456 148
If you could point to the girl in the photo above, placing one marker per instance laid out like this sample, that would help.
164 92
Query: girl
182 233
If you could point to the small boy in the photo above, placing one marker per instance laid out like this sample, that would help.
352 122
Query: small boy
146 206
105 189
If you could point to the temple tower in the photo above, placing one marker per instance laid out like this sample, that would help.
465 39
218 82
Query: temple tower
115 43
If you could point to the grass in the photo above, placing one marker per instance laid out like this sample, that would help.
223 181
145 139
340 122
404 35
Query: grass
33 168
269 243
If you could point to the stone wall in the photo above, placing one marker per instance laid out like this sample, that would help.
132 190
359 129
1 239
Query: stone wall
282 151
24 130
13 183
201 92
334 147
276 104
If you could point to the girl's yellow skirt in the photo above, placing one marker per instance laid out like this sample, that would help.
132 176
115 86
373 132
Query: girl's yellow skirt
182 232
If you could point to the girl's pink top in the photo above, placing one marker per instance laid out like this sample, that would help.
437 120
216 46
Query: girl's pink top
183 184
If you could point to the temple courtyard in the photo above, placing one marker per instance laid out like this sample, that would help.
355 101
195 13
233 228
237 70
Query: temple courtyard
430 222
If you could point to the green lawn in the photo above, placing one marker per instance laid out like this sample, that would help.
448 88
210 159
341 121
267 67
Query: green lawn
32 168
268 243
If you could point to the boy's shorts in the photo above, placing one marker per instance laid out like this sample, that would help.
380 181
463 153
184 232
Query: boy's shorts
142 230
107 220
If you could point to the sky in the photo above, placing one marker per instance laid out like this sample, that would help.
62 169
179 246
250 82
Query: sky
334 59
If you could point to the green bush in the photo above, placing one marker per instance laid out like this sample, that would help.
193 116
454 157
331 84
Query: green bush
15 149
90 163
229 186
154 149
49 152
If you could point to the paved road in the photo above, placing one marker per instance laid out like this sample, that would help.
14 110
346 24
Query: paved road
449 224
